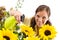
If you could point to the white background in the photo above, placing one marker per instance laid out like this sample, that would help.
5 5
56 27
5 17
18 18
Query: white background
29 7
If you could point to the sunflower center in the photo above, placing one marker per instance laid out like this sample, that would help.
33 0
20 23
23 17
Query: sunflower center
6 37
47 32
26 30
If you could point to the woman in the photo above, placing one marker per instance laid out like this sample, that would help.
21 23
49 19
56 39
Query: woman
41 17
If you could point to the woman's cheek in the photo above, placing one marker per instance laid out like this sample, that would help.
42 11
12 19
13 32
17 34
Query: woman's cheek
44 21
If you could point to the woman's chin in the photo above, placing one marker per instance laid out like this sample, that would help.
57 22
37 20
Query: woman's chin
39 25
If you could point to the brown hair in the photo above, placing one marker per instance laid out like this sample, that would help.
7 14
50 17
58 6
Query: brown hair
40 8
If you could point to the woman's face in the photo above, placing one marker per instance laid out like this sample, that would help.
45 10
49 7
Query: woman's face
41 18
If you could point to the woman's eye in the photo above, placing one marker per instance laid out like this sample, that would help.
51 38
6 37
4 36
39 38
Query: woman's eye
44 17
38 16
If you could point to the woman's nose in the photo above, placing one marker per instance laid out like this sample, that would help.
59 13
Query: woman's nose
40 19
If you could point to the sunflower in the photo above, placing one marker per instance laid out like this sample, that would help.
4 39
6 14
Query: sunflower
47 31
31 38
27 30
7 35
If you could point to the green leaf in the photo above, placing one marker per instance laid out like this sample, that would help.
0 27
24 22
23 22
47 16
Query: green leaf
49 38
